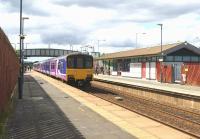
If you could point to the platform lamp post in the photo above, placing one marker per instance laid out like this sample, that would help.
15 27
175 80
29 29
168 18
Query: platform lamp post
161 53
23 19
22 37
20 83
136 38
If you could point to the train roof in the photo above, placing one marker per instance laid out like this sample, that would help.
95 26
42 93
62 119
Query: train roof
62 57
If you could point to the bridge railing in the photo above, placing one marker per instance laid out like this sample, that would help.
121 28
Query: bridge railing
46 52
9 70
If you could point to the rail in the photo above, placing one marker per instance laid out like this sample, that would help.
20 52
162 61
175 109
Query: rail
184 120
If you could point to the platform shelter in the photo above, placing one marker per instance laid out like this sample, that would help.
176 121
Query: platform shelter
178 62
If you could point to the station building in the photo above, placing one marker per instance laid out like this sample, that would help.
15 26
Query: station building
178 63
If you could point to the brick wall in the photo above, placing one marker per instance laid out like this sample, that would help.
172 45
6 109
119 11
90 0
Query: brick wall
9 69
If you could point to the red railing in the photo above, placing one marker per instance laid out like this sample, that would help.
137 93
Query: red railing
9 70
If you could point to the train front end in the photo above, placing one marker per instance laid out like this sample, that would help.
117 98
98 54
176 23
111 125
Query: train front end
79 69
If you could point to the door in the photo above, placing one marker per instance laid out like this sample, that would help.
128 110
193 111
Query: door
136 70
177 72
153 70
147 70
143 70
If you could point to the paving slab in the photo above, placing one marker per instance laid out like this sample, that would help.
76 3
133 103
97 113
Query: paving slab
36 116
131 125
85 122
176 88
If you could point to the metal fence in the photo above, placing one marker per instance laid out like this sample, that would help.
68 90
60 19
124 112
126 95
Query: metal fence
9 69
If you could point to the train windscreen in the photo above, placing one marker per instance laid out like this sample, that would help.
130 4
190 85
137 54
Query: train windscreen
88 62
80 62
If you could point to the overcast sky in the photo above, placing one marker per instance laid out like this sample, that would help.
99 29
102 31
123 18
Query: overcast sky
81 22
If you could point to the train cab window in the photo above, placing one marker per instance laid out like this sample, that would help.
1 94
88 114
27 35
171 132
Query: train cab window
70 62
88 62
80 62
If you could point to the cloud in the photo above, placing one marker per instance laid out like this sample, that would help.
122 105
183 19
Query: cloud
89 3
122 44
29 7
63 38
138 11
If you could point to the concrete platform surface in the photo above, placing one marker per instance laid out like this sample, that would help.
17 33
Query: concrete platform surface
136 125
47 112
176 88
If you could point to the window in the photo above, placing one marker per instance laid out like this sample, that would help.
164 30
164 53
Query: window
178 58
153 59
88 62
169 58
53 66
194 58
70 62
134 60
126 65
79 62
114 65
186 58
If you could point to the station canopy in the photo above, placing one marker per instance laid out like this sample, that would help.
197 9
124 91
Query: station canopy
154 51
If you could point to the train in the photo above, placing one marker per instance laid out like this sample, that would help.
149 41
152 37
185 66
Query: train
75 68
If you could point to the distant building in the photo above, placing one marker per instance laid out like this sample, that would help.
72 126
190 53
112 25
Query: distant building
178 59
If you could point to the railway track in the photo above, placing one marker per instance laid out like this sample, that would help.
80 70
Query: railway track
187 121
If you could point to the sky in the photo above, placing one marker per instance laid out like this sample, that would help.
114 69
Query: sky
115 23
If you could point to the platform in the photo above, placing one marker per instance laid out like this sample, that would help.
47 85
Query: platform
132 123
47 112
175 88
